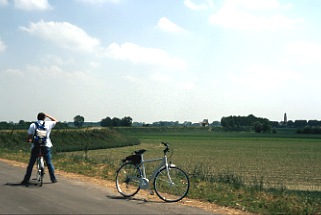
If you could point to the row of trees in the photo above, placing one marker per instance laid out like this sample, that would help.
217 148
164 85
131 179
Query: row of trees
263 125
24 125
79 121
106 122
115 122
260 125
301 123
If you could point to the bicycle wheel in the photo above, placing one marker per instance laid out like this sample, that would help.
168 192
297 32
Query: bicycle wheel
171 185
40 171
128 179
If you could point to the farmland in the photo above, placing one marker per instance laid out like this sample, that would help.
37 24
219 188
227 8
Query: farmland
285 160
263 173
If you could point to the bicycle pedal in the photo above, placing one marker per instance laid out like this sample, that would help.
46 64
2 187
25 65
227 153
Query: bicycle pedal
151 192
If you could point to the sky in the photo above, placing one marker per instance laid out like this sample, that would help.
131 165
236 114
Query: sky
160 60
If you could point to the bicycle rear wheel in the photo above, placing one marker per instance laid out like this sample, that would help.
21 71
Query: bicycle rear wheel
128 179
171 185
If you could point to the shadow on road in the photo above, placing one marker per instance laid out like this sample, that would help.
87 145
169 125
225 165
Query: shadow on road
140 200
29 184
15 184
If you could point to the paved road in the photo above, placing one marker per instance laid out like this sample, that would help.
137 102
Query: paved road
71 196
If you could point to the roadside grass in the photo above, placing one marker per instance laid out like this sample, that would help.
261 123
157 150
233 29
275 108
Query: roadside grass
266 174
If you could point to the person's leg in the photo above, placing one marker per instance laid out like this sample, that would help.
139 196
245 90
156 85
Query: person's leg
47 156
32 160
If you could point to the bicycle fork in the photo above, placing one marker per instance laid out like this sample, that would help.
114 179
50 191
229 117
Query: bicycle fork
167 166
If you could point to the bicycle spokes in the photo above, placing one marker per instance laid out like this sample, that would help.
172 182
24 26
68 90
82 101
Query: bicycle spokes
173 188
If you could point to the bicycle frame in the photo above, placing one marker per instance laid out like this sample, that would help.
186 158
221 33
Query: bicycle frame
163 163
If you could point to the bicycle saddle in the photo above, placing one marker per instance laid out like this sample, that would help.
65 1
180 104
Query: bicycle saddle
139 152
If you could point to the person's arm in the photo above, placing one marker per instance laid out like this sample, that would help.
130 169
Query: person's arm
30 133
51 118
29 138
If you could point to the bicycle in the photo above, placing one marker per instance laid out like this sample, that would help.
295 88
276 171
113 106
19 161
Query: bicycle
170 183
40 166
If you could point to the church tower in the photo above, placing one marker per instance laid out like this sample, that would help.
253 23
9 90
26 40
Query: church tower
285 119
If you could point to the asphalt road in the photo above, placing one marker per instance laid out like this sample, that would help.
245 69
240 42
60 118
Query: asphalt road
72 196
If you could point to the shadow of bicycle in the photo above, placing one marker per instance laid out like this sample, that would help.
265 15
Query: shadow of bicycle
135 199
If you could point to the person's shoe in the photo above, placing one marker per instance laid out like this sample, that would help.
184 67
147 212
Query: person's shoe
54 181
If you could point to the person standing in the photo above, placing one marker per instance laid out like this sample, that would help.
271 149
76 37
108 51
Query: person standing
46 150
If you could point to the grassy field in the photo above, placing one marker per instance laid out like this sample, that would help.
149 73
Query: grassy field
262 173
285 160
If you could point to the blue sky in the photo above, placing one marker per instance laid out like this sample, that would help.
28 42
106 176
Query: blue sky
160 60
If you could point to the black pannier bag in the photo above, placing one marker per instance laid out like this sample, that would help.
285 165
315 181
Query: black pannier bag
135 159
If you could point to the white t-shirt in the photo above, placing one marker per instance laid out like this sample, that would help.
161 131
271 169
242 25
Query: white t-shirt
48 125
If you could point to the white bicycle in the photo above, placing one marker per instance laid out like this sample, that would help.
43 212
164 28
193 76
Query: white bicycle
170 183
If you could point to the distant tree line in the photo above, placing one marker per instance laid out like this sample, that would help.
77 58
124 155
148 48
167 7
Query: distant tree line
78 122
263 125
116 122
24 125
238 123
302 123
233 123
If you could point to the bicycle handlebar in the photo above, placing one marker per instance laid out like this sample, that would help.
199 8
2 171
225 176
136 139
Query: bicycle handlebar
167 147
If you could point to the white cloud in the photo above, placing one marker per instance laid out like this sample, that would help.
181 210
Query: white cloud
2 46
165 24
161 77
204 5
56 75
240 14
304 52
134 79
188 85
3 2
32 4
253 4
72 37
63 34
136 54
16 73
98 1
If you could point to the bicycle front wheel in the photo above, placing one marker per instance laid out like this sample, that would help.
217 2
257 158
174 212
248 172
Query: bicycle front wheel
128 179
171 185
40 171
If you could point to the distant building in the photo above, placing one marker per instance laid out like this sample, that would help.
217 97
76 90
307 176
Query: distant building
285 120
204 123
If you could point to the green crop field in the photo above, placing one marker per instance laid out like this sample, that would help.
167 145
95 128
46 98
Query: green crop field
286 160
